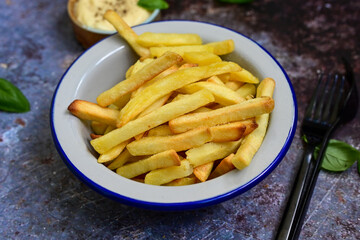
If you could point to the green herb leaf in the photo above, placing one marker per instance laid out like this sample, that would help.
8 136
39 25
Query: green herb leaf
236 1
153 4
11 98
339 156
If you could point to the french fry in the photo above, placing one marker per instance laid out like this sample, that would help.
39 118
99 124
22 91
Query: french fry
122 101
178 142
168 71
151 120
150 39
202 172
266 88
159 51
253 141
139 64
112 153
246 90
157 104
162 130
126 32
250 124
98 127
161 160
233 85
210 152
223 167
168 84
236 112
182 181
222 47
222 94
91 111
201 109
228 132
215 79
166 175
201 58
145 74
244 76
123 158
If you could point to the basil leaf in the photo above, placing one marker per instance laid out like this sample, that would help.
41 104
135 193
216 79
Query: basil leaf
236 1
338 156
11 98
153 4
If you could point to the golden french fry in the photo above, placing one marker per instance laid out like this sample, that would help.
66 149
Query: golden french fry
234 85
109 129
202 172
228 132
150 39
222 94
91 111
161 160
98 127
151 120
182 181
266 88
112 153
223 167
168 84
253 141
210 152
159 51
178 142
222 47
246 90
123 158
160 76
250 124
243 76
122 101
162 130
201 109
201 58
126 32
145 74
215 79
139 64
236 112
168 174
158 103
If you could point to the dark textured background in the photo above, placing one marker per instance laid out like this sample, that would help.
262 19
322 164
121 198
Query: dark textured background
41 199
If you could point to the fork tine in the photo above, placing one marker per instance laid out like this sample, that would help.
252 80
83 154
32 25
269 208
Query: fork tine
330 97
314 99
321 100
337 102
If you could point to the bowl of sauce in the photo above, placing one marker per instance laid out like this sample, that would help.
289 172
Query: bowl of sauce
89 24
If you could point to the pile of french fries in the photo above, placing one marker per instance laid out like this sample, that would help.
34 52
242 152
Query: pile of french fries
182 115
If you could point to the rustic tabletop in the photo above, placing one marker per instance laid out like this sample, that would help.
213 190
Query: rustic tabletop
41 199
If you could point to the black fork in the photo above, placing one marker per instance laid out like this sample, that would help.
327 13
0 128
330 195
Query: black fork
325 111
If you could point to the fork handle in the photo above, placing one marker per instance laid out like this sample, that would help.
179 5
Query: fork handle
287 228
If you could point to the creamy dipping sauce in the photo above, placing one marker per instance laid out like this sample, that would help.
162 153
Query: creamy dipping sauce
90 12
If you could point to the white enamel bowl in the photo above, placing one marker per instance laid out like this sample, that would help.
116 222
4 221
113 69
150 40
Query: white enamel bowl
104 64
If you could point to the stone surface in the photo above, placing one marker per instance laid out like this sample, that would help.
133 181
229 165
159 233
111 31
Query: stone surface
41 199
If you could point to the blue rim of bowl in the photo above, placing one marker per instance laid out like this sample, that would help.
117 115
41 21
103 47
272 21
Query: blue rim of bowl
183 205
150 19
